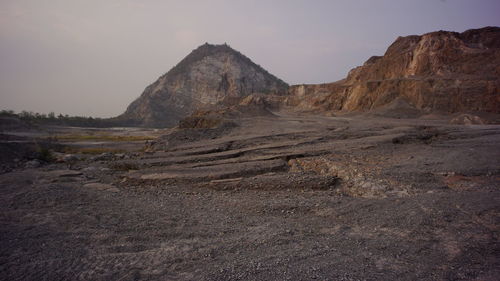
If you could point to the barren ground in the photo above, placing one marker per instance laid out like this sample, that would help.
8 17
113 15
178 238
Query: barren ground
277 198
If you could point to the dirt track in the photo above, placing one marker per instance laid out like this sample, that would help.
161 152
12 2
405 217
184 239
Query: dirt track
285 198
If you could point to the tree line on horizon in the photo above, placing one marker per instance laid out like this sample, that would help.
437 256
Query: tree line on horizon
35 118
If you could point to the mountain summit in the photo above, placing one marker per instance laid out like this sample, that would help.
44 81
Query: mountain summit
207 76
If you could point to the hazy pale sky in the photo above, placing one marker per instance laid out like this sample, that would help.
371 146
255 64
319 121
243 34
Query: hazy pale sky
93 57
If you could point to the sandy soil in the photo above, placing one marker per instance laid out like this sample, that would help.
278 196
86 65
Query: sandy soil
278 198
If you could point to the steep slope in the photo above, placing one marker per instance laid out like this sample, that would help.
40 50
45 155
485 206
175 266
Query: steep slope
438 71
207 76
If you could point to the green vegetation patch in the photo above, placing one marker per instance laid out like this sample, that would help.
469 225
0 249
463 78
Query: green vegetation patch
45 154
90 150
111 138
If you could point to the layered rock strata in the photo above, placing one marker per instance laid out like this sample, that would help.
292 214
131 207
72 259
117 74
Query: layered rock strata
438 71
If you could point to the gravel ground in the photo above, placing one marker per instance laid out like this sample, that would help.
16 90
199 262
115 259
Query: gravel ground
355 199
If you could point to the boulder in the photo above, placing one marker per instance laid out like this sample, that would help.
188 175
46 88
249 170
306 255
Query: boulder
468 119
33 163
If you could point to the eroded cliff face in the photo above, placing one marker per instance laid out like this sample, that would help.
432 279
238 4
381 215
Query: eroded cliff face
207 76
438 71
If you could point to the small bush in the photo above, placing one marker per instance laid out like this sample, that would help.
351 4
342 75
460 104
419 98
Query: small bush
114 138
45 155
90 150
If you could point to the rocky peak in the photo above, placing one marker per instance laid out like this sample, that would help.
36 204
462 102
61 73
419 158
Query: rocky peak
209 75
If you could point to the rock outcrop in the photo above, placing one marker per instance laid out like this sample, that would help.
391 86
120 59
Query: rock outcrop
208 76
438 71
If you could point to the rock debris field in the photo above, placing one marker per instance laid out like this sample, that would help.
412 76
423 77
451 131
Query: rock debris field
282 197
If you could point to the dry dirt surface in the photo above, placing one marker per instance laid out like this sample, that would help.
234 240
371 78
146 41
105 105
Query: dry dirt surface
286 197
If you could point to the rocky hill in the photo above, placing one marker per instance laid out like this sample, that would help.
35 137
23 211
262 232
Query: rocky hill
207 76
438 71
